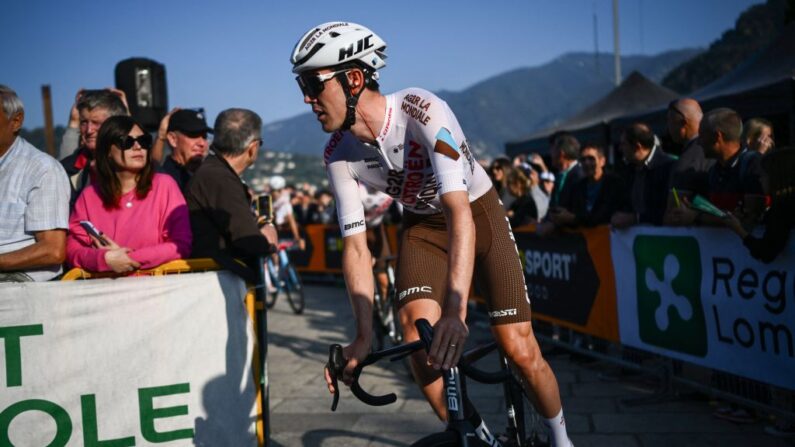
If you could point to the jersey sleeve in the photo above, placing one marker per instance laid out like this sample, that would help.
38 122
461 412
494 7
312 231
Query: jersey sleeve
350 211
442 136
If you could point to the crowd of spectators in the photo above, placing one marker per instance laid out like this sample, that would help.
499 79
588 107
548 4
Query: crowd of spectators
151 205
721 160
113 204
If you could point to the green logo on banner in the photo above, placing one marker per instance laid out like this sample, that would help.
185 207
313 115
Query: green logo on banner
668 279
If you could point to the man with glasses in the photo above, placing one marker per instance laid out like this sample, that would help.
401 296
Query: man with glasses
223 223
187 136
597 196
34 202
91 109
410 146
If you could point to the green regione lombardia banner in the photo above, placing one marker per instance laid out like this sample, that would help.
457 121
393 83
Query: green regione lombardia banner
697 295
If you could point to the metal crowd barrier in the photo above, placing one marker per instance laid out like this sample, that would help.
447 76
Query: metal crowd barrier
255 305
670 372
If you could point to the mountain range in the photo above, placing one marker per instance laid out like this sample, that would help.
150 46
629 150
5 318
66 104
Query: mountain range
508 106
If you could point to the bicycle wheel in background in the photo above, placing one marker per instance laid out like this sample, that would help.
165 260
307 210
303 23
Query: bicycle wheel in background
294 290
379 335
536 433
395 329
387 310
270 296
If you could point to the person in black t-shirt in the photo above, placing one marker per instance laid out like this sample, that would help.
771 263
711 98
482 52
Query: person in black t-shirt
187 135
648 177
735 181
779 166
223 223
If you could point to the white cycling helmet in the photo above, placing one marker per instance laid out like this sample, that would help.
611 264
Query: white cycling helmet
336 43
277 182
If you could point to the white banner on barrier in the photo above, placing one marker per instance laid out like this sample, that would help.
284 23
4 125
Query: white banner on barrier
132 362
697 295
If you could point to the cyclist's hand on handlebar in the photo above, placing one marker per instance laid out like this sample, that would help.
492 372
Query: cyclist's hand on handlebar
449 336
353 354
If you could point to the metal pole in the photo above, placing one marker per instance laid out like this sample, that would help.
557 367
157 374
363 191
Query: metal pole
49 131
617 49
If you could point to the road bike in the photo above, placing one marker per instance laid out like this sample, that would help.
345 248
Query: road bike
386 327
285 280
465 427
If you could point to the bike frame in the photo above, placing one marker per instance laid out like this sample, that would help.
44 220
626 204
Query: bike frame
461 413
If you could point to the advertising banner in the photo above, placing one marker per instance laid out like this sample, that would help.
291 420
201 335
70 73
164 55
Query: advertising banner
570 279
697 295
137 361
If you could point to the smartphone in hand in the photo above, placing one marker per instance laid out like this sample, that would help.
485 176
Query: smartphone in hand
93 231
265 208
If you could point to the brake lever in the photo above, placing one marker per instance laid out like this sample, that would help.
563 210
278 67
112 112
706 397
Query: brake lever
335 365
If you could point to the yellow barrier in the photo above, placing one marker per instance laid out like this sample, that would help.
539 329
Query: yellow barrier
174 267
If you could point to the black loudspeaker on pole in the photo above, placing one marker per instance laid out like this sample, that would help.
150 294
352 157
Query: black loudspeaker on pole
144 83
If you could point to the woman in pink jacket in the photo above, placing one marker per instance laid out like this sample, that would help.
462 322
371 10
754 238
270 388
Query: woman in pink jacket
141 215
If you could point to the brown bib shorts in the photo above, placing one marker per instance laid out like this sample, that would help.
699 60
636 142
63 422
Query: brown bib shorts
422 264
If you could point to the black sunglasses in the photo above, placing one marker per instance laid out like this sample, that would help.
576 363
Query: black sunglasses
127 142
312 84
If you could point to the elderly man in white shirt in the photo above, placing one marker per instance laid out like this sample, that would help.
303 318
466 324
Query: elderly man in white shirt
34 202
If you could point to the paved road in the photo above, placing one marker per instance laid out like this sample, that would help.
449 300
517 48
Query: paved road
595 409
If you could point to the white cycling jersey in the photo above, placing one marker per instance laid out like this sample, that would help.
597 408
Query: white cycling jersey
282 208
420 153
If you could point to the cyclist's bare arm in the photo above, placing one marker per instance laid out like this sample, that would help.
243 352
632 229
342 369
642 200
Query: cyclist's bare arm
294 229
356 261
450 332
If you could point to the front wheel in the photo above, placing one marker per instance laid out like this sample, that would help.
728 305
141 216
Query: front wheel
270 296
294 290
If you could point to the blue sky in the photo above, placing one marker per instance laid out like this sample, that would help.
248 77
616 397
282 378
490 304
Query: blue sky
236 53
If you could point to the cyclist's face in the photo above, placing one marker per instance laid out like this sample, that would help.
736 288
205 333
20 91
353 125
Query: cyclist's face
329 105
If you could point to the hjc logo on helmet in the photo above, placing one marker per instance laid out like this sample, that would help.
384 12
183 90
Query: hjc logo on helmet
361 45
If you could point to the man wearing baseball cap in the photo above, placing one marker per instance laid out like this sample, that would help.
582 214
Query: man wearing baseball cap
186 133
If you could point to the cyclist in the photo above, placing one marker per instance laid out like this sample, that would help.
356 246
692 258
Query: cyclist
376 204
283 216
409 145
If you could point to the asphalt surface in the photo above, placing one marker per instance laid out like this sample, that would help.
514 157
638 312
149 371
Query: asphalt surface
597 400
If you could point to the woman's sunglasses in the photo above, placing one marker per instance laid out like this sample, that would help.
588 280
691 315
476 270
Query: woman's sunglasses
127 142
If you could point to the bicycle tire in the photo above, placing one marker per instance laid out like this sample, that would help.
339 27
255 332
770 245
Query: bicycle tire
395 329
441 439
378 333
270 297
294 291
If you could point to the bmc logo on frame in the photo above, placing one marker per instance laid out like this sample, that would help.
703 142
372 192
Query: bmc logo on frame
668 278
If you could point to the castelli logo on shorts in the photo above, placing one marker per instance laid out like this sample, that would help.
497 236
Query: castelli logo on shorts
412 290
502 313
